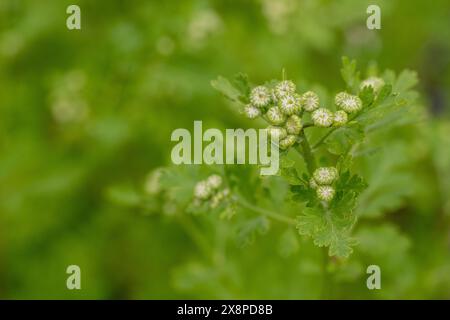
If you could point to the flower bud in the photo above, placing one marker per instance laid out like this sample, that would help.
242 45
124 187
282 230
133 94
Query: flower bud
294 124
275 132
289 104
309 101
348 102
275 116
152 182
325 175
260 96
284 88
214 181
288 142
340 118
322 117
251 112
374 82
202 190
325 193
313 184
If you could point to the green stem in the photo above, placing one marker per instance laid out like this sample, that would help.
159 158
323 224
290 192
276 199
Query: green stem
318 143
326 280
307 153
268 213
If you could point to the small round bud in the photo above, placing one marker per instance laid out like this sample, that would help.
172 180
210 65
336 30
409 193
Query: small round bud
374 82
325 193
348 102
325 175
277 132
309 101
322 117
152 182
260 96
284 88
275 116
340 118
289 104
202 190
288 142
252 112
313 184
214 181
216 199
294 124
341 96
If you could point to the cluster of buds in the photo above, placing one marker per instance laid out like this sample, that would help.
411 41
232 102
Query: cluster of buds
281 106
210 191
322 181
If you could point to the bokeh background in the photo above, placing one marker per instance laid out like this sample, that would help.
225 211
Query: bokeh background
86 115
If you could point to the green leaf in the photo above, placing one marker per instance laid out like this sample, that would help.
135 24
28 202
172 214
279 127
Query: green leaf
344 138
302 193
342 246
241 83
237 90
367 96
390 183
385 92
291 175
405 81
310 222
285 162
332 226
349 74
224 86
247 232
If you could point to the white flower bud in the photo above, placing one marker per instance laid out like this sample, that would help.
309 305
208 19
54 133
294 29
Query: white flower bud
216 199
340 118
284 88
309 101
251 112
341 96
294 124
374 82
288 142
275 116
202 190
325 175
289 104
348 102
322 117
260 96
325 193
313 184
152 182
279 132
214 181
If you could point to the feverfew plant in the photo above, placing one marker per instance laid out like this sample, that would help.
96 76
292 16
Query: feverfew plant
319 139
330 192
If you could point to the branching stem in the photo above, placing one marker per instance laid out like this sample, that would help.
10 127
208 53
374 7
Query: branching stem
268 213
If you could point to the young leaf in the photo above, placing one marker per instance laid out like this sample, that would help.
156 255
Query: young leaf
246 233
349 74
224 86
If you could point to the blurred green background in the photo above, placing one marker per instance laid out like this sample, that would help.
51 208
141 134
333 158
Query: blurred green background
87 110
